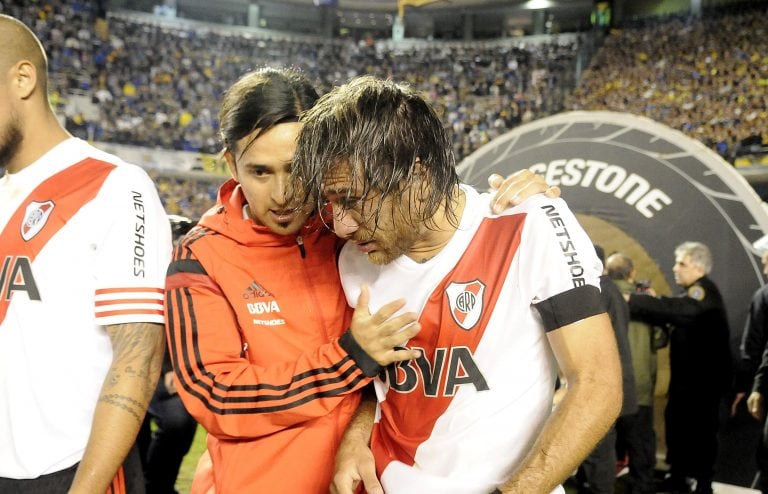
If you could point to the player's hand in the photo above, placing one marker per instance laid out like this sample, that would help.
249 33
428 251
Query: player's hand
170 386
736 400
354 464
518 187
755 405
379 334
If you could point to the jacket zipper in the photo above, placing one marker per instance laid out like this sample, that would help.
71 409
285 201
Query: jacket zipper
311 289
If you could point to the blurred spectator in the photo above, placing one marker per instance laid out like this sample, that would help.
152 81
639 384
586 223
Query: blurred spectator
163 449
597 474
636 434
754 363
754 337
186 195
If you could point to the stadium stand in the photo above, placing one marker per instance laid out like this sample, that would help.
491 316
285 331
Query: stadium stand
164 90
143 82
707 77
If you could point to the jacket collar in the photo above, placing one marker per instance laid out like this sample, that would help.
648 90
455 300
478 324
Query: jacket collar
226 218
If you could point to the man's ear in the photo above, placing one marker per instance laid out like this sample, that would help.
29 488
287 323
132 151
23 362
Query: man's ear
23 79
420 185
421 174
231 165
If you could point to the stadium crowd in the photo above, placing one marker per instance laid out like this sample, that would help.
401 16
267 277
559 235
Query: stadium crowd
707 77
186 196
158 86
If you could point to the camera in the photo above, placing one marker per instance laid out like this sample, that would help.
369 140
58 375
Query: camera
642 285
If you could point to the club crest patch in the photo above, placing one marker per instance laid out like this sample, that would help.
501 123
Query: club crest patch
696 292
466 302
35 218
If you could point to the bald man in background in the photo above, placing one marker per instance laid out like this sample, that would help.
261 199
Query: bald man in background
85 246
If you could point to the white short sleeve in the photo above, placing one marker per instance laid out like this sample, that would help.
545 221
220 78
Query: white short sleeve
134 253
561 271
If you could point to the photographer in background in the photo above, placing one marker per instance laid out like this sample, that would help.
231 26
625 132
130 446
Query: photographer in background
635 431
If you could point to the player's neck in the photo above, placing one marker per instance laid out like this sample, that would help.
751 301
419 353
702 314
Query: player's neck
442 227
40 135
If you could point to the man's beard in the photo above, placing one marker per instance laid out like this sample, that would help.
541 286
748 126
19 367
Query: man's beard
394 244
10 142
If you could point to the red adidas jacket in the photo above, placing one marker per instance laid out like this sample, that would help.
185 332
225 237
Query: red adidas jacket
256 332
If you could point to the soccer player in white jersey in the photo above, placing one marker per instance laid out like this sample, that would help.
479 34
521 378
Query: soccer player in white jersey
503 301
84 246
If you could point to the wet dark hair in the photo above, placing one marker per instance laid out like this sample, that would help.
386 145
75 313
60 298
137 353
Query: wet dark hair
262 99
387 132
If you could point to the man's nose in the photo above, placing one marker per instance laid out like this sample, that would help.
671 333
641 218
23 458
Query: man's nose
281 190
343 223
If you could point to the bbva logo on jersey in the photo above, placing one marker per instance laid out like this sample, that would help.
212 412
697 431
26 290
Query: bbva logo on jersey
466 302
35 217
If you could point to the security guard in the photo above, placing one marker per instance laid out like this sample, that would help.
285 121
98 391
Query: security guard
700 366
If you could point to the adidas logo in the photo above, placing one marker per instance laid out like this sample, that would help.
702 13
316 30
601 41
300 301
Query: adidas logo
254 290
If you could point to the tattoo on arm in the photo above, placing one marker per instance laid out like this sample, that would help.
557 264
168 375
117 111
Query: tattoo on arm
120 401
137 356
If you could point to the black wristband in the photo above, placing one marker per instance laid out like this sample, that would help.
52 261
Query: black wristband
369 366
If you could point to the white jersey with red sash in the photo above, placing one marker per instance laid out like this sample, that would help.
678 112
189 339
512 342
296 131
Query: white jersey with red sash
84 243
461 417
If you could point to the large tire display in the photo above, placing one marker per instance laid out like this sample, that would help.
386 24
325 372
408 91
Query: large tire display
642 188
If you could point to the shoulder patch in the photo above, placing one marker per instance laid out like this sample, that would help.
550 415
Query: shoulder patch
696 292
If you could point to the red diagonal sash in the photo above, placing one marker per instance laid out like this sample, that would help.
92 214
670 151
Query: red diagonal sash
68 190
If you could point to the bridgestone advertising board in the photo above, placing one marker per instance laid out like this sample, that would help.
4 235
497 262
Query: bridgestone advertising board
642 188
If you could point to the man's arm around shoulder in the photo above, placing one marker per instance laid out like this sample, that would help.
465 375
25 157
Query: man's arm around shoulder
587 356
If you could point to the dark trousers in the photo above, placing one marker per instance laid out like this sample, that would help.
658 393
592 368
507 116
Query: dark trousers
165 449
639 441
131 480
597 474
762 460
691 432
